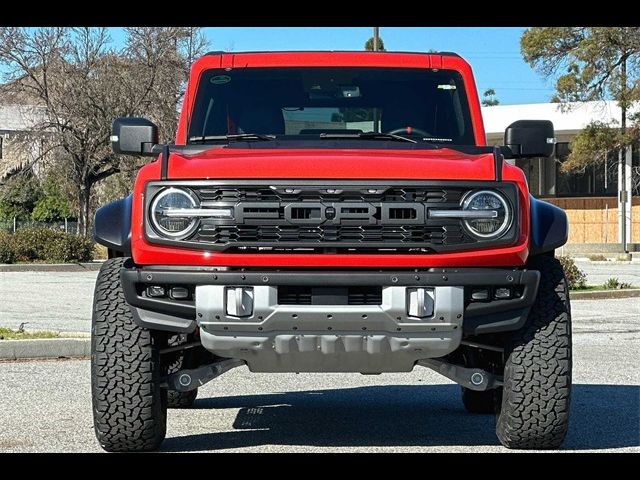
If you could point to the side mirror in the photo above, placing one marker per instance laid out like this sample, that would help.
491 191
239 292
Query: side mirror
134 136
530 138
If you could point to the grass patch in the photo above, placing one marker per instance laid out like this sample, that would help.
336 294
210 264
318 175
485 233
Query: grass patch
601 288
9 334
586 288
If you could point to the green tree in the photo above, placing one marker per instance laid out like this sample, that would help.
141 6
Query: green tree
489 98
53 205
590 63
368 45
18 196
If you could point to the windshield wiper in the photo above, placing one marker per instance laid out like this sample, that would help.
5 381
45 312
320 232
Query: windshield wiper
366 136
233 137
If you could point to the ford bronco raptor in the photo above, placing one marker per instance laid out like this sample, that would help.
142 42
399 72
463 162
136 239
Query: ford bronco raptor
331 212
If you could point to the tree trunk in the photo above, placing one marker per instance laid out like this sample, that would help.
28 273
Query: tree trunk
84 210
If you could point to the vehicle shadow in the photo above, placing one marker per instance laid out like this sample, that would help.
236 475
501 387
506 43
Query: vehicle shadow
602 416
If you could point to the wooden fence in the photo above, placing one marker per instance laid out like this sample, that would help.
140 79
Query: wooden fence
595 219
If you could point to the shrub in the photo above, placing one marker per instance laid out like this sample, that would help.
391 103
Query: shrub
598 257
29 243
7 254
70 248
611 284
100 252
44 244
614 284
576 278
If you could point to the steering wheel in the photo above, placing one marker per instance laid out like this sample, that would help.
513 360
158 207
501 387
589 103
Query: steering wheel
409 131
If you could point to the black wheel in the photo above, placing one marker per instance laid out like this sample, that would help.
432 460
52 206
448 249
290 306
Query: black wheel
179 399
129 407
534 412
478 402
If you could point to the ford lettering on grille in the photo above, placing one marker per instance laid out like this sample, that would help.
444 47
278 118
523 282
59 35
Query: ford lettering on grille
337 213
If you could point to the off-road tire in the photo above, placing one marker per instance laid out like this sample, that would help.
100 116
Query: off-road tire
534 411
129 407
478 402
177 399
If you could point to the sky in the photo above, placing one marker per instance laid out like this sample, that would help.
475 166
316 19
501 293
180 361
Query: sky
493 52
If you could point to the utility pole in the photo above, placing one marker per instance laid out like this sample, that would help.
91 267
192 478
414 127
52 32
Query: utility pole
622 160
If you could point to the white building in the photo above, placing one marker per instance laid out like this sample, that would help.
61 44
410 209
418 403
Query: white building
14 120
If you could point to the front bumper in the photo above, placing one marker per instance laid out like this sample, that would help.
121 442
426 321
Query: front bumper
324 337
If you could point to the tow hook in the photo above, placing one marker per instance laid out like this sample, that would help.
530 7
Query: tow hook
186 380
471 378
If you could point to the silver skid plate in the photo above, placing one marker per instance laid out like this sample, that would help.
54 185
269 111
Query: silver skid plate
328 338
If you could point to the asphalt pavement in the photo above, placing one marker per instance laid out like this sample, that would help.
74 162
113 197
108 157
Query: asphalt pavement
45 406
61 301
58 301
599 272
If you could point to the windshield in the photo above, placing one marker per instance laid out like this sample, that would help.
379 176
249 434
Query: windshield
297 103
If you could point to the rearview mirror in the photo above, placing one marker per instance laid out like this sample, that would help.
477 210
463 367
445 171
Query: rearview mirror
530 138
133 136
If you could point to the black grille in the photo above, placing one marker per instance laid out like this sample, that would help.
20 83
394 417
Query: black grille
336 194
365 296
370 295
367 234
340 216
294 295
264 223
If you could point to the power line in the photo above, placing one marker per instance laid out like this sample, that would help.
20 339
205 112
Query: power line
515 82
523 89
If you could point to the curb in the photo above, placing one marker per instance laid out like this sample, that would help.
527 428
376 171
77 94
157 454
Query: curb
45 348
50 267
604 294
608 262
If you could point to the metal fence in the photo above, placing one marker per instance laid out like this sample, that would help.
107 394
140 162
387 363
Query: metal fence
67 226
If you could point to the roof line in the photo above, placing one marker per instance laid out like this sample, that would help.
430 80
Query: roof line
221 52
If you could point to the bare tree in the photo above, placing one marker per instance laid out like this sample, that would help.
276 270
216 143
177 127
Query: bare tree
84 83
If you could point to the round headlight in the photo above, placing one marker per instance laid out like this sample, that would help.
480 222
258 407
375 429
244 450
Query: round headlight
497 218
167 214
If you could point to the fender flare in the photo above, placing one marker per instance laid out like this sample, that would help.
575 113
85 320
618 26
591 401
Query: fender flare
549 227
112 226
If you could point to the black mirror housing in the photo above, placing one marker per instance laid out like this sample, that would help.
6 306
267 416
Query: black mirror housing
134 136
530 138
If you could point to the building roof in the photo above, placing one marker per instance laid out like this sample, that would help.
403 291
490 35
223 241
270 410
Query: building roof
578 115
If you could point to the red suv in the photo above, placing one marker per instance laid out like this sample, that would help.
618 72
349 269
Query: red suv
331 212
